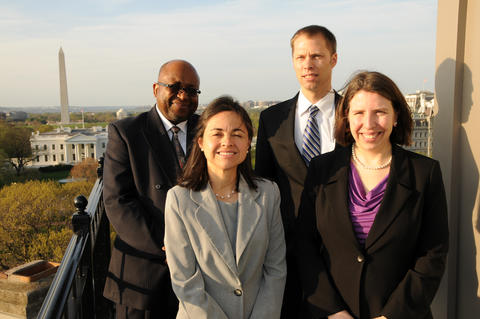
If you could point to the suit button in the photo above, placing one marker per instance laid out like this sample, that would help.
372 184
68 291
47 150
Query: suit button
238 292
158 186
360 259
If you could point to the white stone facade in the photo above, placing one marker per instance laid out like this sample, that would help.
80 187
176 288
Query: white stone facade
422 108
68 146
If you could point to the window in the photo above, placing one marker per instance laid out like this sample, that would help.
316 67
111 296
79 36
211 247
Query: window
91 145
53 146
36 147
92 155
38 159
62 157
103 145
73 157
83 146
46 158
54 157
44 147
61 146
73 146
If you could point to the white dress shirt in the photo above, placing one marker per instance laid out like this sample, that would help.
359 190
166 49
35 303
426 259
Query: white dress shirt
325 120
182 134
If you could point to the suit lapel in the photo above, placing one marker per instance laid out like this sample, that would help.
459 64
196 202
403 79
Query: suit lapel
336 194
249 212
157 137
283 144
209 218
399 189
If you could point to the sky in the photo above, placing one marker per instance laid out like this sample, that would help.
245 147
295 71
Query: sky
114 48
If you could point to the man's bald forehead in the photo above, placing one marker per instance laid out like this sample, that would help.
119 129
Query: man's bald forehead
180 62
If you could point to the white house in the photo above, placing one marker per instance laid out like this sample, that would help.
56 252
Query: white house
68 146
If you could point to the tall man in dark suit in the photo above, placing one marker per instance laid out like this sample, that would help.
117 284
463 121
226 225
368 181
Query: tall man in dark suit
143 158
292 132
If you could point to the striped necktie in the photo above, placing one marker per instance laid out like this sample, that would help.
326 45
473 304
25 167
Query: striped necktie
311 136
177 146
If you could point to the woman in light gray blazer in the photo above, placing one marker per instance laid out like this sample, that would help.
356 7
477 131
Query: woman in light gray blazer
224 237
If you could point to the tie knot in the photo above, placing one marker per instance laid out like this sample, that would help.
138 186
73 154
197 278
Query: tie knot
175 129
313 110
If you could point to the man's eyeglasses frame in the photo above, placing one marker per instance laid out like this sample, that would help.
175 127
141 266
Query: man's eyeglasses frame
177 87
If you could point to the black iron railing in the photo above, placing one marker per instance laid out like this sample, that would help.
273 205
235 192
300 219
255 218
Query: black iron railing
76 290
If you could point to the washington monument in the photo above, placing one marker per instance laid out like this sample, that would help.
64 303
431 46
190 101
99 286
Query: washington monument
65 116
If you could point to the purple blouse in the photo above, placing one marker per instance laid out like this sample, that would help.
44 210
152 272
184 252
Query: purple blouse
363 207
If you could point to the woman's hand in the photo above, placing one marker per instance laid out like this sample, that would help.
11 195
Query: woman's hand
341 315
381 317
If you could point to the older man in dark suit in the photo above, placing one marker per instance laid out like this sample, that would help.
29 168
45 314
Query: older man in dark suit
144 156
291 133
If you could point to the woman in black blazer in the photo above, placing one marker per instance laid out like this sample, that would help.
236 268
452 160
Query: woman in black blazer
372 226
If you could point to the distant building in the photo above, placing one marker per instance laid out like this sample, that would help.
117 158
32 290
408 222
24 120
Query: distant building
422 108
248 104
16 116
121 114
264 104
68 146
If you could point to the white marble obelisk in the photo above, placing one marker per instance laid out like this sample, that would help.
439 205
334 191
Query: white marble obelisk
65 116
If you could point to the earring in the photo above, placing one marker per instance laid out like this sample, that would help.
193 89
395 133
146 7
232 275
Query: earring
201 149
395 124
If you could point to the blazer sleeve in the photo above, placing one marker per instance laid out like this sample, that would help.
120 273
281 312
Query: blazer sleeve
414 294
320 293
125 211
269 299
264 158
186 276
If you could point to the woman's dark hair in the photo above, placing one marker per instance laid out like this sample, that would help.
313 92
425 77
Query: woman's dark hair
381 84
195 175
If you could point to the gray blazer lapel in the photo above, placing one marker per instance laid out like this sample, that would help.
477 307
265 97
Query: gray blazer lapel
399 189
249 212
209 218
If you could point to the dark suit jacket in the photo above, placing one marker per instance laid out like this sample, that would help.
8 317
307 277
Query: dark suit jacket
278 158
140 167
398 271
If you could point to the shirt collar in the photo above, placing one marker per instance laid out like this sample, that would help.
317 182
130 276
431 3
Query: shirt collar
324 103
168 125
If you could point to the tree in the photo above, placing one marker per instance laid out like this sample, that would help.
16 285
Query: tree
35 220
86 169
16 147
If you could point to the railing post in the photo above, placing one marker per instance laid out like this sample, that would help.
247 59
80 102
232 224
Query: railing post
81 224
81 219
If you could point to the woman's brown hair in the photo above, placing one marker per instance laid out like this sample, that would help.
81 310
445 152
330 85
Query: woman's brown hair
381 84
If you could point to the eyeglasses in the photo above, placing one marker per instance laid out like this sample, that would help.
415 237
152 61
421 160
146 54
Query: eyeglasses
177 87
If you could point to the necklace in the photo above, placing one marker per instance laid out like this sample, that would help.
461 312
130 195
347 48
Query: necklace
227 195
372 168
